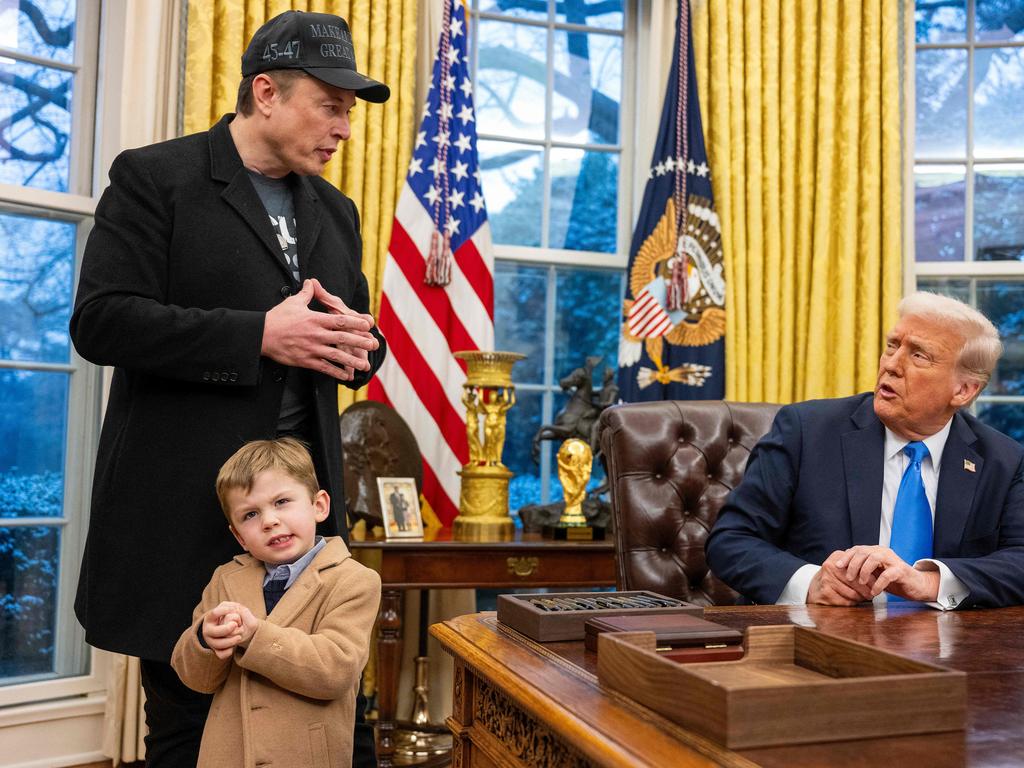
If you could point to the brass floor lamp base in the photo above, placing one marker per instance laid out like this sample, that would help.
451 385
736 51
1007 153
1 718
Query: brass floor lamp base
415 747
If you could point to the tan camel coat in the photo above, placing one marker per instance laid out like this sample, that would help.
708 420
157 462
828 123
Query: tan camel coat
288 700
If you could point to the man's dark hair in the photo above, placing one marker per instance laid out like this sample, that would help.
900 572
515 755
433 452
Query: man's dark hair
283 79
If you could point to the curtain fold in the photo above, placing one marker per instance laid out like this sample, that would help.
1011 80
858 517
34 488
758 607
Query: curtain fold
803 123
370 167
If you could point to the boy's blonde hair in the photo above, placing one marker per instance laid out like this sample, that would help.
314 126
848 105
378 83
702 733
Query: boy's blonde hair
285 454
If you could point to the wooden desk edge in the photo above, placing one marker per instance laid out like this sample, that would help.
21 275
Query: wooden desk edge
572 730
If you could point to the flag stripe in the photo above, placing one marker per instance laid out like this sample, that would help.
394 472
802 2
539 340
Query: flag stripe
432 489
477 318
426 324
408 310
435 301
428 389
479 277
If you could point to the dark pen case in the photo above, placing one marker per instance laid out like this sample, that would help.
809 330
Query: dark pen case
679 634
519 612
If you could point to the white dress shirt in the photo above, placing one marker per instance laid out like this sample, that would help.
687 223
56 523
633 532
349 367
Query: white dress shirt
951 590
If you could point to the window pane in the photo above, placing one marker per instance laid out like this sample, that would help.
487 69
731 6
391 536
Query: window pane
606 14
28 601
520 301
44 28
941 104
524 419
37 265
1008 418
33 425
940 22
588 88
999 213
523 9
998 102
947 286
939 213
35 110
587 319
584 200
1002 302
511 79
999 19
512 177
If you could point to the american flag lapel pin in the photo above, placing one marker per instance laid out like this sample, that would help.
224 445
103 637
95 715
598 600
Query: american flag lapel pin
969 465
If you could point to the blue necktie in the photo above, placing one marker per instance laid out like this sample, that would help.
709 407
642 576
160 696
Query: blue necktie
273 591
912 517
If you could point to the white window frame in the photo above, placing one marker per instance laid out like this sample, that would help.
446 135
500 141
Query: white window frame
553 258
968 269
18 700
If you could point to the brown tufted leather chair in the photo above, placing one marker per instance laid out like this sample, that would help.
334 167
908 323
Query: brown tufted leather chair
670 465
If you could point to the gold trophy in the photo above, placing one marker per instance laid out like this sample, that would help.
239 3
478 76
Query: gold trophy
487 394
575 461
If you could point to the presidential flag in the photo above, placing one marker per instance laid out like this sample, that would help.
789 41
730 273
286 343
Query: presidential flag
672 345
438 288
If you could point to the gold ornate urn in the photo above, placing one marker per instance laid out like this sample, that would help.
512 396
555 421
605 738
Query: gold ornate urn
487 394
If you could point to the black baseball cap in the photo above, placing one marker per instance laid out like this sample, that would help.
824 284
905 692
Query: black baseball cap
319 44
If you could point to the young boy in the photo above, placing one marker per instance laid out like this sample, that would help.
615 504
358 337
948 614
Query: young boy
282 633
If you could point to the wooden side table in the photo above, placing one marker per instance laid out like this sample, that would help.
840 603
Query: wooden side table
440 563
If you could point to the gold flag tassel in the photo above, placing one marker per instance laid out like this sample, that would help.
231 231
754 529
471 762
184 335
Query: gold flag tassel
439 261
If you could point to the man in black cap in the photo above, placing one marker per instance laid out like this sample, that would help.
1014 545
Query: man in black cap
222 281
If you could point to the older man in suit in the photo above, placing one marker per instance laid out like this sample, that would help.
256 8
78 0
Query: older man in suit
896 494
223 282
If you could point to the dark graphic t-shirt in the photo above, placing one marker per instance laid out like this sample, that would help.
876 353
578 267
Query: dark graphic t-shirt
276 195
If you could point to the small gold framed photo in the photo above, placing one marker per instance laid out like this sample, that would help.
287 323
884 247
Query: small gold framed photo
400 507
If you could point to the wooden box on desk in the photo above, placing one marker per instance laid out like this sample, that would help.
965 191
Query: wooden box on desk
794 685
519 612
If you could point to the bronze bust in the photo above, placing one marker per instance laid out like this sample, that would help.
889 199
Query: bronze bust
377 443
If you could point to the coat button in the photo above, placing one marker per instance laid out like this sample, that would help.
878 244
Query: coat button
279 374
233 376
206 375
215 376
286 291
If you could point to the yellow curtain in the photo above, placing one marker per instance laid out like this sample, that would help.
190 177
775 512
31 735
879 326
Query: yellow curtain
802 102
370 167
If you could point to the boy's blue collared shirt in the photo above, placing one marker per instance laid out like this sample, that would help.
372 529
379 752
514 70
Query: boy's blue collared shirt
292 571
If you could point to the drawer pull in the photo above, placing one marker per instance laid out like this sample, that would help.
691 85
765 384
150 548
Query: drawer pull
522 566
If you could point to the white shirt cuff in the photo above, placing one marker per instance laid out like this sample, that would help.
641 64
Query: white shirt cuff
952 591
798 585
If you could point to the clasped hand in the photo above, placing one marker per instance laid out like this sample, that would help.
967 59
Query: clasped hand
227 626
858 574
337 342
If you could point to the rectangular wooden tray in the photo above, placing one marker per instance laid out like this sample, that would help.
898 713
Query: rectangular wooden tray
794 685
518 612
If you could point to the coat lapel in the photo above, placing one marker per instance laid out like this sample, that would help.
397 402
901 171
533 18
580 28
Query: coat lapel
305 588
864 465
957 485
307 220
245 585
240 194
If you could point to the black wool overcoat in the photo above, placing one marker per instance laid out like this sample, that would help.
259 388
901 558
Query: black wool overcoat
178 273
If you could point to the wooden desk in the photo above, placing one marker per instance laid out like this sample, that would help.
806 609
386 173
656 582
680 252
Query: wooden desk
522 703
440 563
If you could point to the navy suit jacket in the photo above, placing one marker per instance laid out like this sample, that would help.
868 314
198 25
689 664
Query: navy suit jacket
813 485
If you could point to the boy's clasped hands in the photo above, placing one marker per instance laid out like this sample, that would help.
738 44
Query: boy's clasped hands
228 625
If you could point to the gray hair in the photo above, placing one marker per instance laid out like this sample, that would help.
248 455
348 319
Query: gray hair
981 349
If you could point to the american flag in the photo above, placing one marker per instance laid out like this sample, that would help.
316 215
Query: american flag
440 211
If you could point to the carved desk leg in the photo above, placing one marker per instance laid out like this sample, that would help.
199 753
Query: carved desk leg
462 715
389 660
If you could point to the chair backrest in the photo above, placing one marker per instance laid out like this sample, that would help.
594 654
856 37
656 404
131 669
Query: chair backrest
670 466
